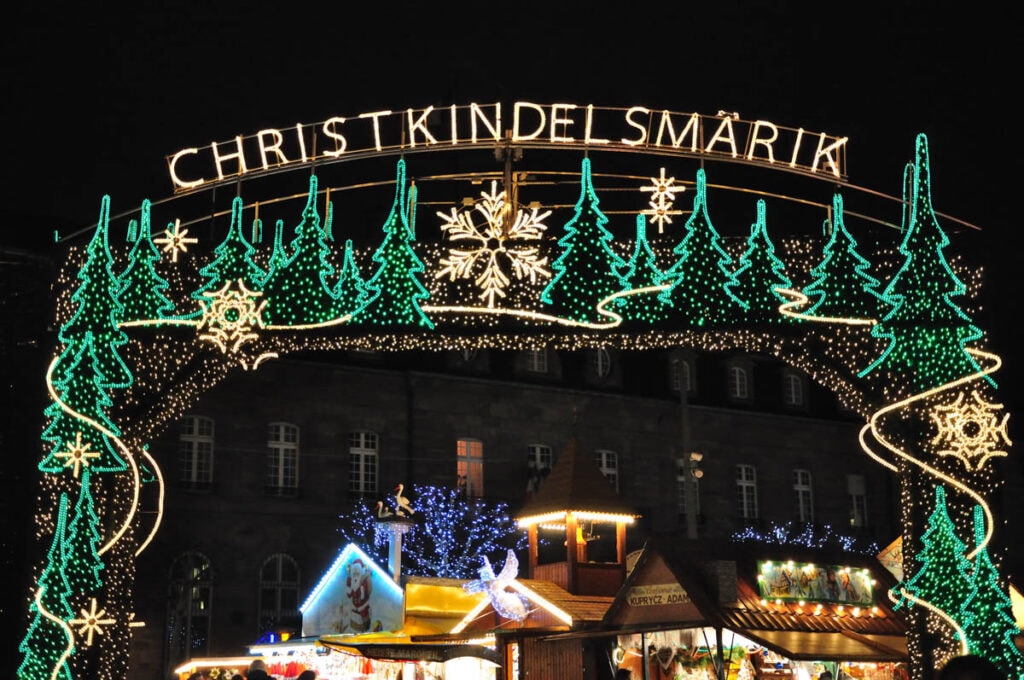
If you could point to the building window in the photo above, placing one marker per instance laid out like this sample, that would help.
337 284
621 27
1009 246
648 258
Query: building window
608 463
470 468
363 448
538 465
803 495
602 362
537 361
189 597
679 375
195 448
738 388
792 390
746 493
279 596
469 355
857 490
282 460
685 480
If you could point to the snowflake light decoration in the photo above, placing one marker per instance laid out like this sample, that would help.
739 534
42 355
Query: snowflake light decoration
92 621
78 454
230 316
175 240
496 245
970 430
663 194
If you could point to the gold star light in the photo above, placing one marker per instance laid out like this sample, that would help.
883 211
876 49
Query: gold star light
175 240
970 430
78 454
230 317
663 193
91 622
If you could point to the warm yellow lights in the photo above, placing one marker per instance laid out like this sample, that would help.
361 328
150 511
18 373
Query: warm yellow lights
557 519
175 240
91 622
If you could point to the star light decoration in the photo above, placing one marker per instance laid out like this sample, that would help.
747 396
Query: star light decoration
230 315
663 194
175 240
92 621
78 454
495 245
970 430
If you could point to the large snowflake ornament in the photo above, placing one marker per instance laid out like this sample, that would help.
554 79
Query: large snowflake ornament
175 240
663 195
230 316
970 430
498 242
78 454
92 621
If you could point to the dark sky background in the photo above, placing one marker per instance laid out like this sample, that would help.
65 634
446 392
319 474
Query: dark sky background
96 95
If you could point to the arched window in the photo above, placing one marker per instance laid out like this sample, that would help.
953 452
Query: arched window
738 388
537 361
602 361
363 448
279 596
803 495
679 375
282 478
195 453
746 493
792 390
189 604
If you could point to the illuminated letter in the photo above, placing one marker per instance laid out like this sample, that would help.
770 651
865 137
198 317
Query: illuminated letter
826 151
275 147
376 126
218 159
516 137
587 139
454 123
302 142
495 128
420 124
755 141
638 126
724 126
172 166
691 129
796 146
555 120
340 143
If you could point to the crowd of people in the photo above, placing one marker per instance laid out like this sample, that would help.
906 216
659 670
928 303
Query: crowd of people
257 670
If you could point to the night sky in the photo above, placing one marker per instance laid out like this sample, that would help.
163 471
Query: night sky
96 97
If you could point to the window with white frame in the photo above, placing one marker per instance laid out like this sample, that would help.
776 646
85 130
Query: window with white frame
746 492
195 452
684 482
792 390
470 467
363 449
602 362
469 355
279 595
857 490
189 607
679 375
738 383
538 464
537 361
803 495
282 474
608 463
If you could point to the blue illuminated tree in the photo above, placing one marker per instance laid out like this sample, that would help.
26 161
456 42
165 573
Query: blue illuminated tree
394 292
233 260
641 271
843 286
142 290
588 270
701 280
450 536
926 331
760 274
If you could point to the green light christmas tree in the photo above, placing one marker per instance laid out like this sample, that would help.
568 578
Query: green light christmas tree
843 286
701 280
142 290
46 641
588 269
641 271
759 273
927 332
351 289
82 563
394 292
233 260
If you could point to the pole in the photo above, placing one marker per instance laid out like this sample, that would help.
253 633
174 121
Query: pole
690 479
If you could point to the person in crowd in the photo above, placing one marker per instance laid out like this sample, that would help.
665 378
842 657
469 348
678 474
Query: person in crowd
308 674
825 675
257 671
970 667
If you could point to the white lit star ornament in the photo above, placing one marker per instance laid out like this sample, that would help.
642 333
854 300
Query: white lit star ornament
970 430
663 194
230 316
78 454
92 621
495 243
175 240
